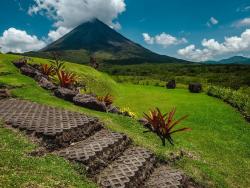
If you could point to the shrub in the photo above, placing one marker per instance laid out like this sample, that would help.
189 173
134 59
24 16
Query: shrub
66 79
235 98
47 70
163 124
107 99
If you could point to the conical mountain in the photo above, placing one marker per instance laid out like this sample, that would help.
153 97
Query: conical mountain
97 38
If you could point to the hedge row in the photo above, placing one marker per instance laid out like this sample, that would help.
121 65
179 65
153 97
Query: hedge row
234 98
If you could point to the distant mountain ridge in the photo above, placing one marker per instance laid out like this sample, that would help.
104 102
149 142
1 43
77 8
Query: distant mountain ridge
106 44
231 60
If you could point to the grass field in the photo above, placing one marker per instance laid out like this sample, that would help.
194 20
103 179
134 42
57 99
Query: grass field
17 169
220 139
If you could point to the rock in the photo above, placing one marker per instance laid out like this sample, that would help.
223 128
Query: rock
4 93
36 66
195 87
171 84
113 109
46 84
88 101
144 122
19 63
39 77
29 71
66 94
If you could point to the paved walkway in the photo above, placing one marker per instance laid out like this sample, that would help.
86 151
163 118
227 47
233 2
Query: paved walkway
109 157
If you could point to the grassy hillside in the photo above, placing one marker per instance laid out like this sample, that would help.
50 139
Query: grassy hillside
219 141
17 169
95 81
76 56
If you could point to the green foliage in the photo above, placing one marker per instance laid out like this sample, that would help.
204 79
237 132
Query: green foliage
57 63
163 124
219 133
233 76
139 80
235 98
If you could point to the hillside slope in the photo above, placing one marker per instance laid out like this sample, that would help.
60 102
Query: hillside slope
232 60
218 143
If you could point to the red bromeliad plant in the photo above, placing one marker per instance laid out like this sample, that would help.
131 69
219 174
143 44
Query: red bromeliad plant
66 79
163 124
47 70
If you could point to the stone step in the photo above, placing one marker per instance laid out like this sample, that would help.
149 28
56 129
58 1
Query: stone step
97 151
55 128
165 177
129 170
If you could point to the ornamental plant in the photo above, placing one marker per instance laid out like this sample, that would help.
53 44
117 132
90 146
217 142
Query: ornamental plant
66 79
47 70
107 99
163 124
57 63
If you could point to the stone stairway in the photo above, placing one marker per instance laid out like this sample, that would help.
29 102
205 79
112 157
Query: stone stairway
97 151
109 158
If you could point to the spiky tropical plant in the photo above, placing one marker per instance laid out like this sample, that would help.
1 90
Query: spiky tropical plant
163 124
57 63
66 79
47 70
107 99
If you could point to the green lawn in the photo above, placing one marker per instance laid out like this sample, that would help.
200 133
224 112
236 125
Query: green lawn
17 169
220 139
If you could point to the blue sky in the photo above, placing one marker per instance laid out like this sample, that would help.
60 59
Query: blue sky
188 29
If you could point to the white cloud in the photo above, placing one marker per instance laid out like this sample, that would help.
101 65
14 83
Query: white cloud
14 40
56 34
212 21
212 48
148 39
115 25
69 14
242 23
168 40
163 39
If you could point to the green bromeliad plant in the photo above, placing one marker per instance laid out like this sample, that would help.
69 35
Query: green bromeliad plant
163 124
